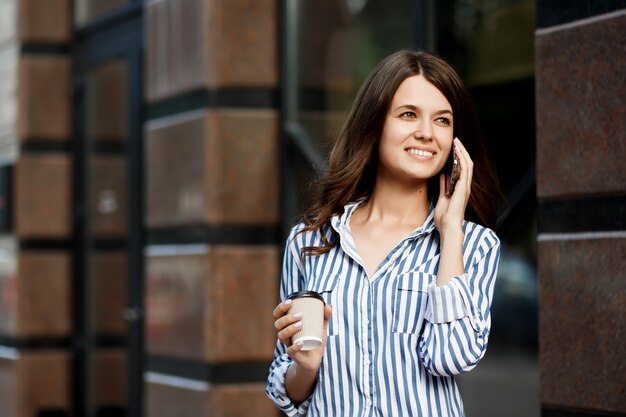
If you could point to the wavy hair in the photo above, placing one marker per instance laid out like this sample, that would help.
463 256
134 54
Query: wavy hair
353 160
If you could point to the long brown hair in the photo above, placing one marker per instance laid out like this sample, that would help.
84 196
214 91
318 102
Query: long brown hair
353 159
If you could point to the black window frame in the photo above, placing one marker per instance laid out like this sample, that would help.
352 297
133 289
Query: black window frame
118 33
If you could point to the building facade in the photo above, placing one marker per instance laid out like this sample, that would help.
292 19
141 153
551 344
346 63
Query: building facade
580 89
154 153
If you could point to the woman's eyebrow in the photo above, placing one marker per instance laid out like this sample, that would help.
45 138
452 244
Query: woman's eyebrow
407 107
416 108
444 111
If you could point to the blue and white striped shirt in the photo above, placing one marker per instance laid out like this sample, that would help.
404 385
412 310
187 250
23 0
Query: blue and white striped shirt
396 339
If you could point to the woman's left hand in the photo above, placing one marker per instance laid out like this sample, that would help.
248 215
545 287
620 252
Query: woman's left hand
450 209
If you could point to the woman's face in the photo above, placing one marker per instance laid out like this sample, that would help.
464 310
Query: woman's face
417 134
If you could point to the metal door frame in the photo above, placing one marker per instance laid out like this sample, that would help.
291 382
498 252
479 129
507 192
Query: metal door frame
118 34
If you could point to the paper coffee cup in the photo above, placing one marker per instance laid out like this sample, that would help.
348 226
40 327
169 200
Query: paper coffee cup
311 305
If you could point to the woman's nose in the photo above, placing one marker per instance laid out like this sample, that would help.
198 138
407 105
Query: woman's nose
424 132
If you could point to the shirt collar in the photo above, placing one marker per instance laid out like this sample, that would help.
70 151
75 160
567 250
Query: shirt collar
341 222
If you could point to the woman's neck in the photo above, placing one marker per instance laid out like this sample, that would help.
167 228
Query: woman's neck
395 204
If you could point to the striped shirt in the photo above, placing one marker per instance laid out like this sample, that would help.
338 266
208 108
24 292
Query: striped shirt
396 339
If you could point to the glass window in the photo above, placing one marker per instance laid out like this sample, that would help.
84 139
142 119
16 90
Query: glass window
106 131
9 141
86 11
8 284
108 255
338 43
491 44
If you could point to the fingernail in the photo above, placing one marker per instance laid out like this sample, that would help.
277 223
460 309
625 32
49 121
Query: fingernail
298 324
298 314
287 302
300 342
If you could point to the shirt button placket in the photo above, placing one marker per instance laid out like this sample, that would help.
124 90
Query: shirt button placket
366 347
368 321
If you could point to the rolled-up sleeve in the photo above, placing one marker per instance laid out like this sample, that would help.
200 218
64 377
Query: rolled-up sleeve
457 318
275 389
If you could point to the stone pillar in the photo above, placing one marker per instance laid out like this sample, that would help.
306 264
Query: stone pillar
35 264
213 258
580 55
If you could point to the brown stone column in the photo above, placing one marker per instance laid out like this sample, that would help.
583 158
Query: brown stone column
211 206
581 144
35 276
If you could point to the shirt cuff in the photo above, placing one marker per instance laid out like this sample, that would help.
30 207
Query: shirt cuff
277 393
449 302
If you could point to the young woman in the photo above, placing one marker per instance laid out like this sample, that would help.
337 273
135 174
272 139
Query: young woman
406 269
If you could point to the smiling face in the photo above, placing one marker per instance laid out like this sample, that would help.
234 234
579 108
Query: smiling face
417 134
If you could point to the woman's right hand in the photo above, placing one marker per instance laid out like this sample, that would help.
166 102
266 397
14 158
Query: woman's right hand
287 325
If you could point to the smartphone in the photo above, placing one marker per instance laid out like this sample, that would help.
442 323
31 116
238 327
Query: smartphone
454 173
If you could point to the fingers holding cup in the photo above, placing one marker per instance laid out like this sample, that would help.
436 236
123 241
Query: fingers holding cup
310 333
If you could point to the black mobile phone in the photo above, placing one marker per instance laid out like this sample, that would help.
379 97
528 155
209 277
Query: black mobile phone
454 173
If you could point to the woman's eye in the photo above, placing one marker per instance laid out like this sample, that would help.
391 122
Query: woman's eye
443 120
408 114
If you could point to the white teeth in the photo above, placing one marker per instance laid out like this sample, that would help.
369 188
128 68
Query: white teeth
420 152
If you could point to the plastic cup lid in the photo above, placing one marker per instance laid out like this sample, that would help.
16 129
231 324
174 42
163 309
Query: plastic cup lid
306 294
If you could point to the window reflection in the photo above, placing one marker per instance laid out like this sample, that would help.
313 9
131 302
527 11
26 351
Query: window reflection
489 41
339 43
87 10
106 131
8 285
491 44
108 89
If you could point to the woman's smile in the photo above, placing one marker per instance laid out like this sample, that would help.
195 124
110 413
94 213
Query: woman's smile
421 153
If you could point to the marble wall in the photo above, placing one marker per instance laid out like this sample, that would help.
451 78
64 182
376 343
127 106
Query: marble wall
580 90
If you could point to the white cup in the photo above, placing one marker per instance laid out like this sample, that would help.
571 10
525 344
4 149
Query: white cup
311 305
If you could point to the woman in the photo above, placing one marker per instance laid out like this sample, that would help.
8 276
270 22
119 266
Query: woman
406 269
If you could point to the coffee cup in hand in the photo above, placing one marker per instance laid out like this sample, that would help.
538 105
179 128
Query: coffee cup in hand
311 305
